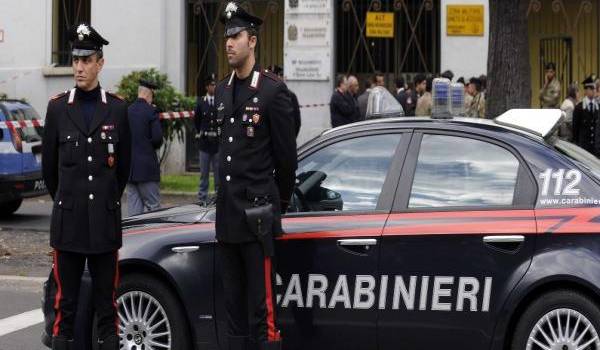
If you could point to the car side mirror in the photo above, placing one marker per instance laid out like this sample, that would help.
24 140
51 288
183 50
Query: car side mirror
330 200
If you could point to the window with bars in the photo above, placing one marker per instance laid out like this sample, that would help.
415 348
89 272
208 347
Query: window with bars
414 47
65 14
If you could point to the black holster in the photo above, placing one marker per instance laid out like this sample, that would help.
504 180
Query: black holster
260 222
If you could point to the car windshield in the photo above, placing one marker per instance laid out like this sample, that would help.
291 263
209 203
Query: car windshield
16 112
577 154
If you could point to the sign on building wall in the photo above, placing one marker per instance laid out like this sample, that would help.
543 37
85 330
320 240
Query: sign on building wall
302 31
380 24
307 6
302 64
307 40
464 20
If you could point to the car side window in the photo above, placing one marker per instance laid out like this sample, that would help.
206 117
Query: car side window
456 171
347 175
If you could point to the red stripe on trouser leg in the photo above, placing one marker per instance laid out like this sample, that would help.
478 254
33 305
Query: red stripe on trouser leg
116 284
272 333
57 297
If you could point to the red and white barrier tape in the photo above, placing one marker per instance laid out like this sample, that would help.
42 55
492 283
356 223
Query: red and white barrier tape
190 114
163 116
21 124
176 115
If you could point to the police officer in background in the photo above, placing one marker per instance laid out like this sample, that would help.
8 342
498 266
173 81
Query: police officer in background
257 160
205 120
295 105
143 189
85 162
586 119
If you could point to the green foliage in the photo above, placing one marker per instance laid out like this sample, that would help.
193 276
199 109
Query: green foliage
3 96
166 99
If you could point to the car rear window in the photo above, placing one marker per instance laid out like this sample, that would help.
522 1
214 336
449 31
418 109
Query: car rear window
578 155
17 111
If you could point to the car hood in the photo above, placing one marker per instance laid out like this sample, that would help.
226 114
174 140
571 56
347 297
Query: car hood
173 216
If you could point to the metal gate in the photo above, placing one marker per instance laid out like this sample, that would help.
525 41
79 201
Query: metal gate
414 49
206 47
565 32
559 51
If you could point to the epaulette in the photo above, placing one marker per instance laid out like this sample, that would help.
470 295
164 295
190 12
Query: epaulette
269 74
115 96
64 93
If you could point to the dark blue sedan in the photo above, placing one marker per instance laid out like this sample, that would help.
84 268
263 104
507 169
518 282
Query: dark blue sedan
404 233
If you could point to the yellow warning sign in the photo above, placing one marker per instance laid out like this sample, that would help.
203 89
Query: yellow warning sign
464 20
380 24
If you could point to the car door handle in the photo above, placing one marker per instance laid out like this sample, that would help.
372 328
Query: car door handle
504 239
357 242
507 244
185 249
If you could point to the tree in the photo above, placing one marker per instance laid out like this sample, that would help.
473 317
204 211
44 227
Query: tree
509 71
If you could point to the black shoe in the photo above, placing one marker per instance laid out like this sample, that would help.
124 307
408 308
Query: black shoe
271 345
110 343
61 343
238 343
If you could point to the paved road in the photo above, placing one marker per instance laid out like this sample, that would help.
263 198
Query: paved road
20 314
34 213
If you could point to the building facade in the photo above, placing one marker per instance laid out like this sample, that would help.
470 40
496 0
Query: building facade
312 39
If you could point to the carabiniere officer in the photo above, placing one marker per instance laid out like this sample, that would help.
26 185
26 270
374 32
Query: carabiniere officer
257 164
85 163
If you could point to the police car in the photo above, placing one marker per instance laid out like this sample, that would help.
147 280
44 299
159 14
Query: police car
20 155
404 233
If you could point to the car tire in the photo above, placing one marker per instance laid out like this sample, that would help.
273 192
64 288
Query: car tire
8 208
552 321
150 290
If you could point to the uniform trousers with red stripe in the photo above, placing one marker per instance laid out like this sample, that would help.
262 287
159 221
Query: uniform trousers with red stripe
247 276
68 269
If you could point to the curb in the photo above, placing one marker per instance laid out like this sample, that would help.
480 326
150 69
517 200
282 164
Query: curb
179 193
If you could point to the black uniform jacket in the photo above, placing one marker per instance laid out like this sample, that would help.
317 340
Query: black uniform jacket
586 125
205 120
86 172
146 138
257 152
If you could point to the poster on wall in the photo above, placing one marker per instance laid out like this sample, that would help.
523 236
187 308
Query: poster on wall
302 64
307 6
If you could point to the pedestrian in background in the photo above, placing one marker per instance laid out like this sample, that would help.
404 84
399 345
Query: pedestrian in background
296 106
409 104
352 96
205 121
363 99
425 102
550 92
342 111
143 188
476 107
568 106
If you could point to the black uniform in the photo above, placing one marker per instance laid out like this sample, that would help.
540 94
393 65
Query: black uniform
586 126
257 160
85 162
205 120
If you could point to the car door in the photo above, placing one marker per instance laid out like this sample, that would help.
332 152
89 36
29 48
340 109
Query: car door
460 237
327 260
